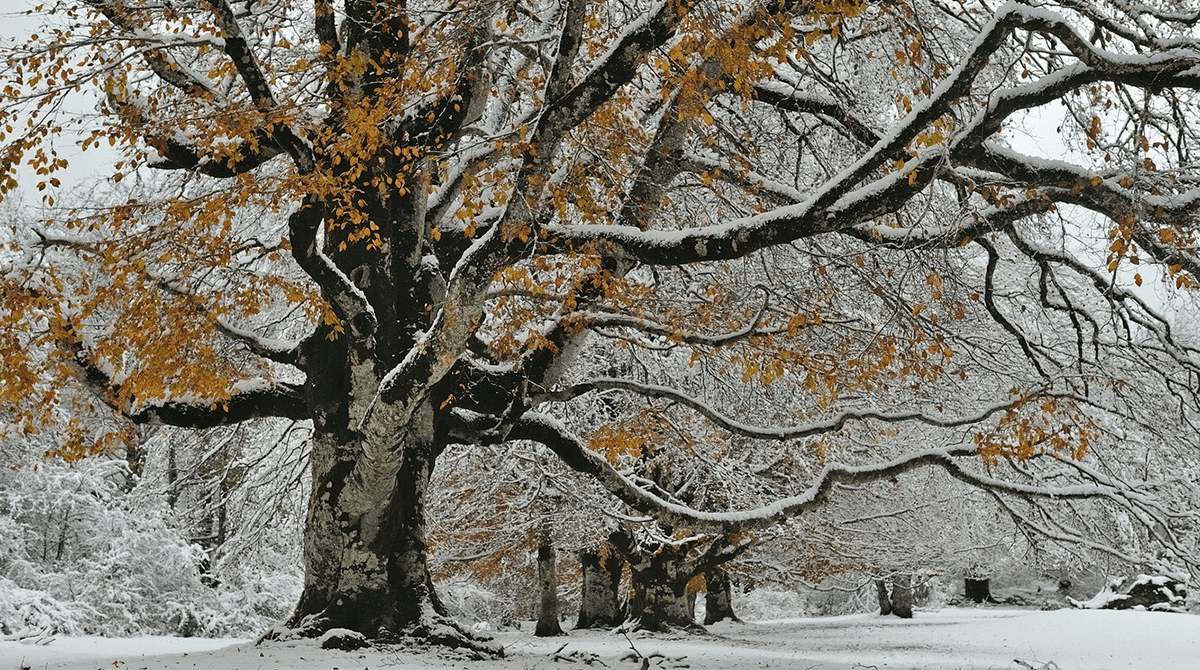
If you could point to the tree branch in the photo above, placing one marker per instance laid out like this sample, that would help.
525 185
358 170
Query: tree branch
779 434
549 432
283 400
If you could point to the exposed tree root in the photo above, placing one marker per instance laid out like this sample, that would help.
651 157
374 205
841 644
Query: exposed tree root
433 630
445 631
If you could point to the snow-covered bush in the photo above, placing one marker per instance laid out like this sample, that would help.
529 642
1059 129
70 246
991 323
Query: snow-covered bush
81 554
768 604
27 612
469 601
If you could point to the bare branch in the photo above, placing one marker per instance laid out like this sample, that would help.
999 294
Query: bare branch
781 434
549 432
280 400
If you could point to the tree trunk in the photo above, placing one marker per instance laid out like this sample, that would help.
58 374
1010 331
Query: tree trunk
364 552
365 541
600 602
979 590
718 600
660 601
902 596
547 623
881 592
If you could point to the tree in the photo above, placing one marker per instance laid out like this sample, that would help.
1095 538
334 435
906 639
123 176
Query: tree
599 598
547 621
404 222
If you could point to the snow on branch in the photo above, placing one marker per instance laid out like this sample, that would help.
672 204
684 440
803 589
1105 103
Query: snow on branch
858 194
989 301
673 334
166 68
273 349
573 451
790 433
277 400
613 70
1053 529
249 399
257 83
306 229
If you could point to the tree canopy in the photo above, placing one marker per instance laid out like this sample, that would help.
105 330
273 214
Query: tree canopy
804 234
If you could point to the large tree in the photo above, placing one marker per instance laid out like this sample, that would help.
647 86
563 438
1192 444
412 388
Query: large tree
403 220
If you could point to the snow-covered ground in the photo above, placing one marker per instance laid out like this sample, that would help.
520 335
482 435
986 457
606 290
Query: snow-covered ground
950 639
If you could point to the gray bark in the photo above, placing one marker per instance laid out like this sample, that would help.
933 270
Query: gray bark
365 543
885 602
718 597
547 623
659 579
600 602
902 596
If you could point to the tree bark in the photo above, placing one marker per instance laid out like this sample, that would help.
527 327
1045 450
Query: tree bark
902 596
350 542
979 590
600 601
365 544
885 602
659 581
718 600
547 623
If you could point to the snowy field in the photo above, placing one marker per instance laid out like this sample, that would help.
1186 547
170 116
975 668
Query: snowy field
950 639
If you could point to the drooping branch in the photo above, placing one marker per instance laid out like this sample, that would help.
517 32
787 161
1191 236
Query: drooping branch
989 301
248 400
575 454
736 427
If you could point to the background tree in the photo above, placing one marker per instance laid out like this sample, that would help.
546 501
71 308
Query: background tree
402 221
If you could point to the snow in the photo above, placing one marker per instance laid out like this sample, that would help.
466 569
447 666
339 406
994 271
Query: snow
983 638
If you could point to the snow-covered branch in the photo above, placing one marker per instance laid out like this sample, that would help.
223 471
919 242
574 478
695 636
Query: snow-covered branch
732 425
551 433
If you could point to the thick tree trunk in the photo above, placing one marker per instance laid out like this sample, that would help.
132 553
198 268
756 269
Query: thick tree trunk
547 623
365 542
979 590
359 573
885 602
718 600
600 601
660 599
902 596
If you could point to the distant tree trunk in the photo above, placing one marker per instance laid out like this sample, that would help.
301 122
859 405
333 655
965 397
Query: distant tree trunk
660 600
902 596
547 623
885 602
659 579
600 602
172 476
694 586
718 600
979 590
